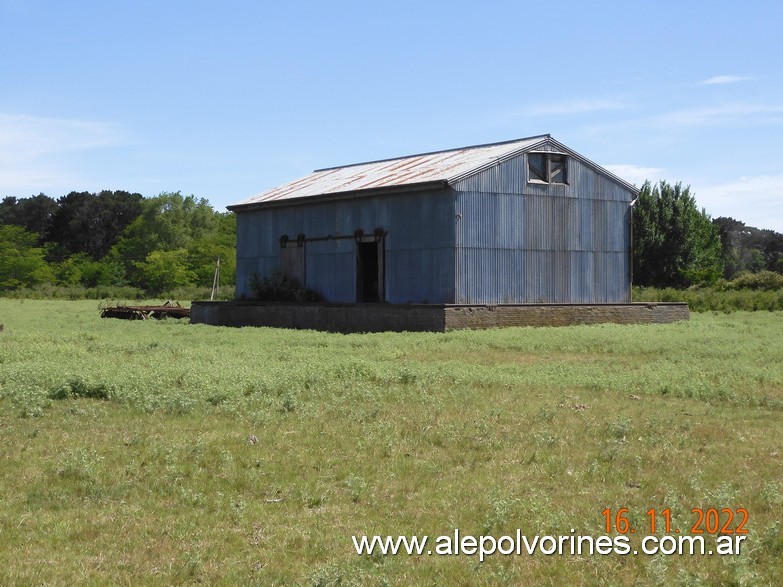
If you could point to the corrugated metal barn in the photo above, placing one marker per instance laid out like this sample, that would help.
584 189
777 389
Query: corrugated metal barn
524 221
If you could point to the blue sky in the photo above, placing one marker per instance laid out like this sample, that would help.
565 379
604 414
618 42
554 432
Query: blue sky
227 99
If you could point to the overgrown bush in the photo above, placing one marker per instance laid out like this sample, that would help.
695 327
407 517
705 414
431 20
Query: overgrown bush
709 299
226 292
77 387
763 280
279 287
747 291
47 291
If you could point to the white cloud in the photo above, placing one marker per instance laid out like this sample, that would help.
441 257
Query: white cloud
35 151
571 107
731 113
736 115
22 135
724 79
756 201
636 174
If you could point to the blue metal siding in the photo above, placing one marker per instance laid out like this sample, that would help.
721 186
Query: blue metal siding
493 238
330 268
520 242
415 276
419 257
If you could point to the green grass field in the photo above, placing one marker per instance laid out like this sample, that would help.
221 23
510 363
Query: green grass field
169 453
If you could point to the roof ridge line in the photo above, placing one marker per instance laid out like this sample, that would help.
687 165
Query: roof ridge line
544 136
502 158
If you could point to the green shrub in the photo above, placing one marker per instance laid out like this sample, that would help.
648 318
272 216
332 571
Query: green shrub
48 291
226 292
77 387
714 299
763 280
279 287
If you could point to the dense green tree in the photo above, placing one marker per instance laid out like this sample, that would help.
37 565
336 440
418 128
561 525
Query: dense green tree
746 248
202 259
69 271
70 225
80 269
22 263
165 270
34 214
92 223
172 222
727 229
675 243
773 250
168 221
204 251
116 238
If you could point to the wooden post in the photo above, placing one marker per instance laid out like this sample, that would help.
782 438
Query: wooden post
216 281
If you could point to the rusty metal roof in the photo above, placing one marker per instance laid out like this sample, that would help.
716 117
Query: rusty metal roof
440 166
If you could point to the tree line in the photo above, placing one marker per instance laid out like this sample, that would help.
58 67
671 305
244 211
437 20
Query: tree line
114 238
118 238
675 244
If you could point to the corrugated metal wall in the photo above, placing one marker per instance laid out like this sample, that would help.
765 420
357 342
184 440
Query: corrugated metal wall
419 244
519 242
494 238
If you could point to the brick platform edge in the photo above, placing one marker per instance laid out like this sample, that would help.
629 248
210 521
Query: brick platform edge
429 318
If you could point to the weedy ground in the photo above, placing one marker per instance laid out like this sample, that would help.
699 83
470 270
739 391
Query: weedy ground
170 453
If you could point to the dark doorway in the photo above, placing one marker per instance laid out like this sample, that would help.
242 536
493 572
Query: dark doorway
369 269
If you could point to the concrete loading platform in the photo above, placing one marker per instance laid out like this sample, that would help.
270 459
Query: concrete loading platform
429 317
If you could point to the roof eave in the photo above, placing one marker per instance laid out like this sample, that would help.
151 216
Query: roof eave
314 199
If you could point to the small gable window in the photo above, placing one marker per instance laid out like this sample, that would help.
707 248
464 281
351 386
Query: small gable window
547 168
